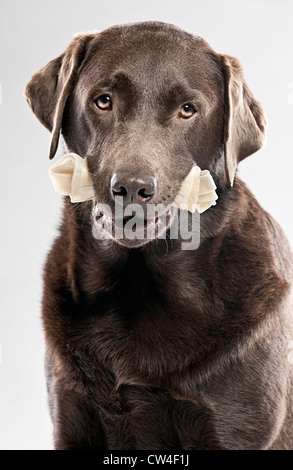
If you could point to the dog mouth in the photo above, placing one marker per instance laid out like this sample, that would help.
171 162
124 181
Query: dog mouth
132 229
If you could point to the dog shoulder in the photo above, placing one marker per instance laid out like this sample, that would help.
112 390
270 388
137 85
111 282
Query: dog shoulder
251 257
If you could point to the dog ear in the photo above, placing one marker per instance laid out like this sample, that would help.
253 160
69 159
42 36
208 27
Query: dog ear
244 131
48 89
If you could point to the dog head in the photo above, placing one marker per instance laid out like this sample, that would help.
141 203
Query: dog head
143 103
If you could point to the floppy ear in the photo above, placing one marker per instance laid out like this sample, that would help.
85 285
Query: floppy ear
244 131
48 89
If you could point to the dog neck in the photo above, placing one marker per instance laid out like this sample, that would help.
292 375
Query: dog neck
96 267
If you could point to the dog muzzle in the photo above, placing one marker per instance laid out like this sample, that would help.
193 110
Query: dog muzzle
70 177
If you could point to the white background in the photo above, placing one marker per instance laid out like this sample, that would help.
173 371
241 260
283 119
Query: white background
32 32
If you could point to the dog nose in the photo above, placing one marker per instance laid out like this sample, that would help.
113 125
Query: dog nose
133 188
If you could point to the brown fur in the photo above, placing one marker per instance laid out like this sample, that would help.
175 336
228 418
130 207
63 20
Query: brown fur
150 346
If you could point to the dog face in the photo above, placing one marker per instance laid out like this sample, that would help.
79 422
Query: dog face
143 103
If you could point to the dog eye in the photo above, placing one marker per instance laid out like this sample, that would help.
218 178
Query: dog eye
186 111
104 103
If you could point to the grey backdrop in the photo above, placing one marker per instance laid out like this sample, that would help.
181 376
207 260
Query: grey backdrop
32 32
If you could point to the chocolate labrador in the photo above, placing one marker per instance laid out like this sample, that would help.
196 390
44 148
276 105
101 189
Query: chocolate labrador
149 345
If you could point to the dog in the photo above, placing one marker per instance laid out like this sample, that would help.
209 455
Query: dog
149 346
